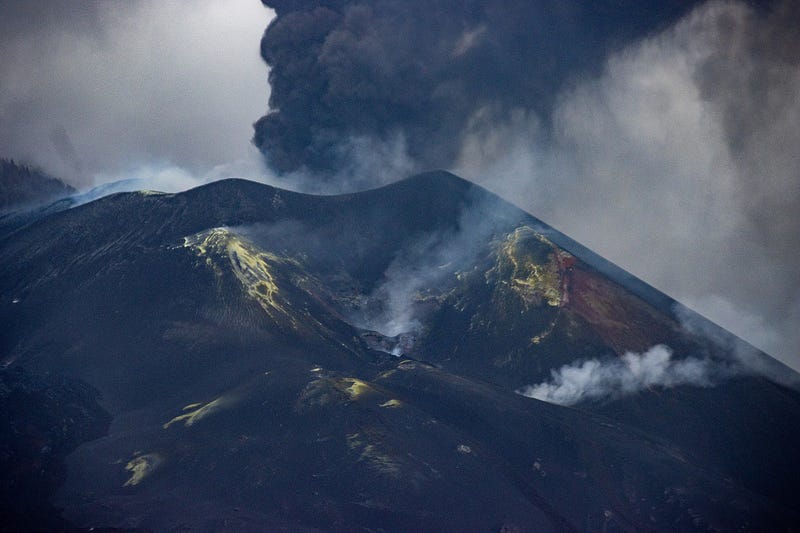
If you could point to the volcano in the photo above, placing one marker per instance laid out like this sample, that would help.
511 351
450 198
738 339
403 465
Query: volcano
238 357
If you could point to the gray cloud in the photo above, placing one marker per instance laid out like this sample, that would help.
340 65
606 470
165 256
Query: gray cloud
742 355
679 163
594 380
95 91
415 70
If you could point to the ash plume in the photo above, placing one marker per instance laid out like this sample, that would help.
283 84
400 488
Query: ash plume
418 71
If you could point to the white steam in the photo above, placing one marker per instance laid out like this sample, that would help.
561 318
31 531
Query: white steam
428 265
633 372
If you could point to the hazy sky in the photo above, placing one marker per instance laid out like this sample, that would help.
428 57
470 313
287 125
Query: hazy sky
666 141
96 91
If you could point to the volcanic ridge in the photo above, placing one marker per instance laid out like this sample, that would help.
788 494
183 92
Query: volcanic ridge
241 357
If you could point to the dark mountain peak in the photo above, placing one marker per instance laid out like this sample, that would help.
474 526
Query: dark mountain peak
285 361
230 187
440 185
437 182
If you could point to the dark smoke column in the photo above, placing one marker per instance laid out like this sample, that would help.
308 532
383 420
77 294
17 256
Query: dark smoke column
421 70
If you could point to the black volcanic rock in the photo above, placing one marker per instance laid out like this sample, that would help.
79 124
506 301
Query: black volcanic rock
242 339
42 420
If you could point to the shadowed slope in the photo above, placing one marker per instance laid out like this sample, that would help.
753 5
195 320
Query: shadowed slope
241 337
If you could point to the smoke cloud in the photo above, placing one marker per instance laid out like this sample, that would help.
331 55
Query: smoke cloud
95 91
418 71
668 146
594 380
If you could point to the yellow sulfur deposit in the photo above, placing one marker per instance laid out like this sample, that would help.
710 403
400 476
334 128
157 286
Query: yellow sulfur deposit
196 412
533 280
354 387
329 390
371 450
254 268
140 467
537 339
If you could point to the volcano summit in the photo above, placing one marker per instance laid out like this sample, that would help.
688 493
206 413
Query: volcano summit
239 357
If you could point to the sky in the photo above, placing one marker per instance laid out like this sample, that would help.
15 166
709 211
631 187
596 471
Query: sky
660 134
97 91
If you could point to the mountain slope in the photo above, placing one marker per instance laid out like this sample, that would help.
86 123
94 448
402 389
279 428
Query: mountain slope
273 360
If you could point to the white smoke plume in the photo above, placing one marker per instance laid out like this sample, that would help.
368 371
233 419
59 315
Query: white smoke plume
427 263
595 380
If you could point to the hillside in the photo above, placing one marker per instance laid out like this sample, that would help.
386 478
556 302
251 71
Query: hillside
279 361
